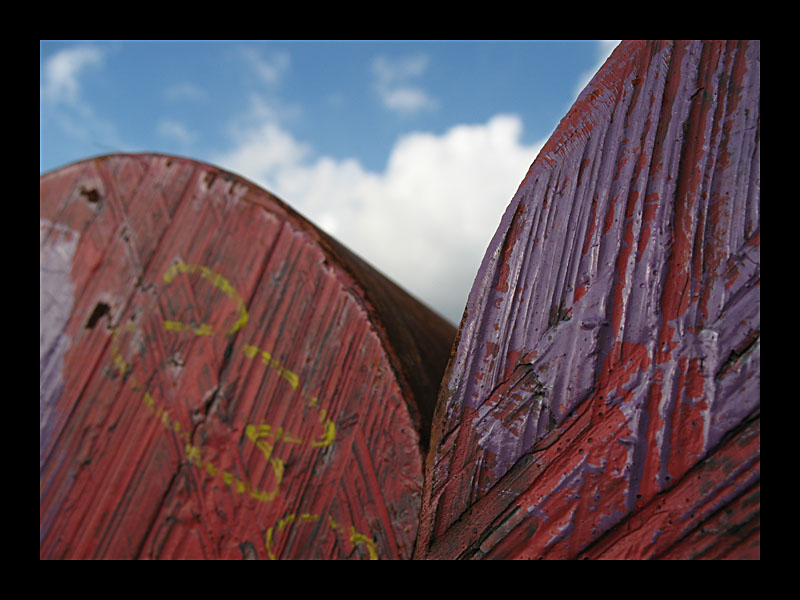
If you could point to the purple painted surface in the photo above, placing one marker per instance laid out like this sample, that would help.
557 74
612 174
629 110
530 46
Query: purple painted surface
620 295
546 207
57 246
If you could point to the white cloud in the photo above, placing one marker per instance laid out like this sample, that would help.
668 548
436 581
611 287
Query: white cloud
425 221
406 99
263 152
267 109
392 82
175 130
271 69
390 71
63 99
62 71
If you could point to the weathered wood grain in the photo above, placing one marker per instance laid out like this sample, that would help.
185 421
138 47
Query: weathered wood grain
609 353
220 379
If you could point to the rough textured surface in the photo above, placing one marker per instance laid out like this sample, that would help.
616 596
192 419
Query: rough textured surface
604 396
218 378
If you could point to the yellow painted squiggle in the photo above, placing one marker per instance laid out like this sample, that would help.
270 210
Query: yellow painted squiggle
192 453
264 436
219 282
329 427
355 538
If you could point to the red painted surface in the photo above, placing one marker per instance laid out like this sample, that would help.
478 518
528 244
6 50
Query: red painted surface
219 379
603 399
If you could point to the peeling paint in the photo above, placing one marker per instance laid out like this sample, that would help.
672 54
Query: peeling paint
624 275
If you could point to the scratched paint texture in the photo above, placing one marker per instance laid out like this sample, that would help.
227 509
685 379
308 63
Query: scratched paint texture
220 379
603 400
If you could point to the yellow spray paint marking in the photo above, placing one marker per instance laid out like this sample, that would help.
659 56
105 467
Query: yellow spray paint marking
259 435
252 351
327 437
355 538
264 436
192 453
219 282
358 539
254 433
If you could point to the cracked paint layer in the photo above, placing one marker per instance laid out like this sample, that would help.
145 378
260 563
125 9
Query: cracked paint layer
611 340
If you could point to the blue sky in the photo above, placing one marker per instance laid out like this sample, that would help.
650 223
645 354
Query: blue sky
407 152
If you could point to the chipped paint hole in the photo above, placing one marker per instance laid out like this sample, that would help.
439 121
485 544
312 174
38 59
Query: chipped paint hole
100 309
92 195
738 354
208 179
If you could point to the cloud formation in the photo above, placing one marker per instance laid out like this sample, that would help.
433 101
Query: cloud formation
61 77
393 83
62 96
176 131
425 221
269 69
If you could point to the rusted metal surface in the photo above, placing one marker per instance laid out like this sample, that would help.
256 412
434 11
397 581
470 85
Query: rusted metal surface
218 378
603 400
